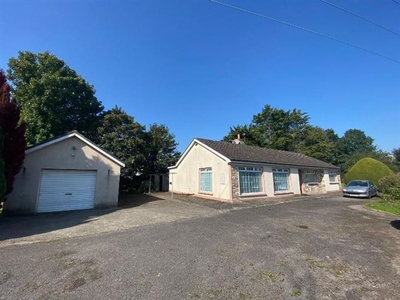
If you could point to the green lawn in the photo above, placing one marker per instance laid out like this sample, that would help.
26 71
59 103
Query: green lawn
393 208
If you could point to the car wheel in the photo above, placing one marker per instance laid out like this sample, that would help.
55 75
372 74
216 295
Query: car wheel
369 195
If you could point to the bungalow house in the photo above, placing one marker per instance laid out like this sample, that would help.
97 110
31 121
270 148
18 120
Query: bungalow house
232 170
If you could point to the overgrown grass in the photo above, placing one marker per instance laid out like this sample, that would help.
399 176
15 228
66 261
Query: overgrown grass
390 207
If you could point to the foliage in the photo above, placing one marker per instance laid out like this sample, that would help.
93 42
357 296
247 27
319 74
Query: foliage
368 169
396 158
279 129
395 193
319 143
396 154
3 184
388 182
13 144
248 133
346 162
353 146
160 151
273 128
120 135
143 152
392 194
382 205
290 130
53 98
355 140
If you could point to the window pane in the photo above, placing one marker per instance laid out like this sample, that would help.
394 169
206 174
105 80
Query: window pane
250 182
311 177
281 182
206 182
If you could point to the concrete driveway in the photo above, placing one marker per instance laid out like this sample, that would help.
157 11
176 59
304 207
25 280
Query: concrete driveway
307 248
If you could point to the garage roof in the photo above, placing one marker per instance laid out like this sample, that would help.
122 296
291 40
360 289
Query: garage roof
69 135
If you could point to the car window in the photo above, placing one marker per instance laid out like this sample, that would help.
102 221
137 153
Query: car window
358 183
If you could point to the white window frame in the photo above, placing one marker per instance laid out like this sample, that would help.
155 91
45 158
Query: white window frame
207 170
252 170
315 182
281 171
335 176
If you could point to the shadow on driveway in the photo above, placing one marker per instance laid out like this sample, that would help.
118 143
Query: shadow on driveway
395 224
12 227
133 200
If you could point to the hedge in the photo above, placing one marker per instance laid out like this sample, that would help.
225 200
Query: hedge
369 169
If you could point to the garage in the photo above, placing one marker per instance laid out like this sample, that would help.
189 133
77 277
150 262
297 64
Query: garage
62 190
65 173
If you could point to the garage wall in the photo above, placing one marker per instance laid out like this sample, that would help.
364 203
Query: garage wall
62 155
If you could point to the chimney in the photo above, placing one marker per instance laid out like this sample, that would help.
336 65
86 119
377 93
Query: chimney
237 140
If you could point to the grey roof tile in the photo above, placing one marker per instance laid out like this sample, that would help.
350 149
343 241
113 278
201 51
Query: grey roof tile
245 153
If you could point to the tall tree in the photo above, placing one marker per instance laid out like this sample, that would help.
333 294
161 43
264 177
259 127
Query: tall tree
318 143
352 146
280 129
143 152
396 155
120 135
355 140
12 139
53 98
160 150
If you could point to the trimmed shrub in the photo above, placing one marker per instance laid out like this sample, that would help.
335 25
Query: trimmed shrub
369 169
388 182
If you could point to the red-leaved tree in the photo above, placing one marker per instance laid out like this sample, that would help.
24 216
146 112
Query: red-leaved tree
12 151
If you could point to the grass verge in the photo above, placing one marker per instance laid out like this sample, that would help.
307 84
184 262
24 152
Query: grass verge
390 207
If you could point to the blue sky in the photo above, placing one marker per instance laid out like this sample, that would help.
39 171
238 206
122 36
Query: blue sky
200 68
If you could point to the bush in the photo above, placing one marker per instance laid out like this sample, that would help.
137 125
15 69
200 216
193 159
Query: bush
368 169
392 195
388 182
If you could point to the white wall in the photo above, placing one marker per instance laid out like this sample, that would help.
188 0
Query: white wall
295 180
331 187
185 177
268 181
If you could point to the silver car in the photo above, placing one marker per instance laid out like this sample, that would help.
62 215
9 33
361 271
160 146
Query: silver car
361 189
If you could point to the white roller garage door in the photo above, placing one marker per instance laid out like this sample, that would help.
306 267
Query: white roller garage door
62 190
